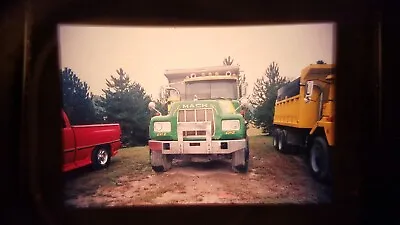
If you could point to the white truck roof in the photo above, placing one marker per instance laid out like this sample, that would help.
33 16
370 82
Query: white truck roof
178 74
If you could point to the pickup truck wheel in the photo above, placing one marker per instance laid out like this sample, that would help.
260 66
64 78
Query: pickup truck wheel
240 161
160 162
101 158
319 160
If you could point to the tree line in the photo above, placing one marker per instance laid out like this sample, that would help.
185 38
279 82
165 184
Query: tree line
125 102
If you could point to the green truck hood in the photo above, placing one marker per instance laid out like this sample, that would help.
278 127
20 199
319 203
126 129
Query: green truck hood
223 110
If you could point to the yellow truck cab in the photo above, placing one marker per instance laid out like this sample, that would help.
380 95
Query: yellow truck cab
304 117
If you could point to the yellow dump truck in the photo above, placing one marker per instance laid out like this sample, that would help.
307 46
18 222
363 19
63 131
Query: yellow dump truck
304 117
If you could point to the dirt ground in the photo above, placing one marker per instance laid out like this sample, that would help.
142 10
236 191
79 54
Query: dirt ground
129 180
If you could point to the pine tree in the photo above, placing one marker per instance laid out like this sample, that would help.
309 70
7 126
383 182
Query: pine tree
125 102
99 110
77 101
265 94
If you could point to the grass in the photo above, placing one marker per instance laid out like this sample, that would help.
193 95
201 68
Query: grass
253 131
130 160
261 145
137 155
133 163
129 163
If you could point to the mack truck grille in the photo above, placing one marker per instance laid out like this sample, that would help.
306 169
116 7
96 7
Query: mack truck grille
196 115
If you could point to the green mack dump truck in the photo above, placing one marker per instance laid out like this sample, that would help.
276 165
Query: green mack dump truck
205 118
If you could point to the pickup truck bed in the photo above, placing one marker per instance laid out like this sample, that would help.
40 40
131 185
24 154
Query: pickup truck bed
89 144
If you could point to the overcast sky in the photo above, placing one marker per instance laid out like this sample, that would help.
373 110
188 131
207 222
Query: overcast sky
95 53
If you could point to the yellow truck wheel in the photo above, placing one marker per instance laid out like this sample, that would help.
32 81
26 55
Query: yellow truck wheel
319 160
275 138
282 141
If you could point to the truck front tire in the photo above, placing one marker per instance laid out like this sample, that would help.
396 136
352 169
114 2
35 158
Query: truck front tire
319 160
160 162
240 161
101 157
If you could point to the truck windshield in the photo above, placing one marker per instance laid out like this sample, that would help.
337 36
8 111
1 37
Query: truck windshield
225 89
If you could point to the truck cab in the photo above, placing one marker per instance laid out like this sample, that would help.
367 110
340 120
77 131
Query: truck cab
203 118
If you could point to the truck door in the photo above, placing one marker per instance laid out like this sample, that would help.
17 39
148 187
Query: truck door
68 146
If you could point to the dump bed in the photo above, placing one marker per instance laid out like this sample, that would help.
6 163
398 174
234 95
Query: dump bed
295 112
290 90
291 109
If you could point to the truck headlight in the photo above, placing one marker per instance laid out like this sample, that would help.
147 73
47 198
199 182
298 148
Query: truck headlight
230 125
162 126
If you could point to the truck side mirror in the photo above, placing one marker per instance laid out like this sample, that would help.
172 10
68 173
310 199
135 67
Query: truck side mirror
309 90
164 92
152 106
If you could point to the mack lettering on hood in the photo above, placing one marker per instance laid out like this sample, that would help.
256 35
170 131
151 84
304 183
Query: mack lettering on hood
198 105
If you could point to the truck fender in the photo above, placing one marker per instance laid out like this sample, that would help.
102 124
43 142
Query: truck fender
314 128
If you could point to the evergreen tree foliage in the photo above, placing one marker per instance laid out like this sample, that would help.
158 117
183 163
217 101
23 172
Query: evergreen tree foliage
77 101
264 96
126 102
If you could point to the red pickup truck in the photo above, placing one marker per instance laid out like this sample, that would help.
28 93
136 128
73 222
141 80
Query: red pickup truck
89 144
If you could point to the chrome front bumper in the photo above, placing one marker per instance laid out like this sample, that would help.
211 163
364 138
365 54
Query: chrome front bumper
208 146
198 147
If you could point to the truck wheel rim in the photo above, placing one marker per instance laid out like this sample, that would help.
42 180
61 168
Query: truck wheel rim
102 156
280 144
315 159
